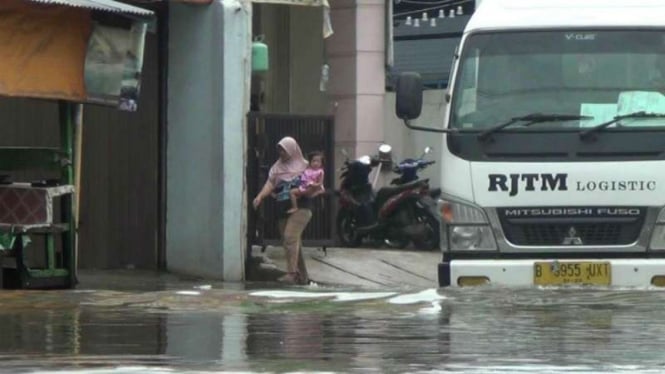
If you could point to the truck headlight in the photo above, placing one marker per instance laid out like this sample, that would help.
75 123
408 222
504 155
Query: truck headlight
465 227
658 235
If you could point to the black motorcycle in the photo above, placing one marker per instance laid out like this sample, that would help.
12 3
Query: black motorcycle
394 216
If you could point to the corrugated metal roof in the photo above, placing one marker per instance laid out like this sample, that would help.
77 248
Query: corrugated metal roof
102 5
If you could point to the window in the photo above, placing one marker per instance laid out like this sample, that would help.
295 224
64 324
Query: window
600 73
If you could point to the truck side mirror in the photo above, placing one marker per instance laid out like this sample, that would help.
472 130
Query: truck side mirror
409 101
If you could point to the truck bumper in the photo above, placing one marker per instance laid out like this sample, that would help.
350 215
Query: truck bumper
624 272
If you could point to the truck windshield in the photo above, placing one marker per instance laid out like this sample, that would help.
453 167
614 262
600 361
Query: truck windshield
597 74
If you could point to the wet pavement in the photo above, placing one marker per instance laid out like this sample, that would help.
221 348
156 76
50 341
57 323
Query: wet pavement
361 267
138 322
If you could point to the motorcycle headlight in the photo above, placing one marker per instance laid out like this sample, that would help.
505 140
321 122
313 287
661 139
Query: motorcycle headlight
465 227
658 235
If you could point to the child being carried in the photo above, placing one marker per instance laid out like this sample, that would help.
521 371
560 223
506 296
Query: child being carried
311 181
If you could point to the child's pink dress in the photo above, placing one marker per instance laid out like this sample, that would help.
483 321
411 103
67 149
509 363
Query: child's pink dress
309 177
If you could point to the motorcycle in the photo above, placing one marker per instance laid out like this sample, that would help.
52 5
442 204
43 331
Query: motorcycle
395 215
425 211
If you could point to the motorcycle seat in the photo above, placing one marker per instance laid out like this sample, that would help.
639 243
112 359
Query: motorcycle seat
386 192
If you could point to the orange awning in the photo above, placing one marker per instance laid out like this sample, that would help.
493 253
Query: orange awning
47 50
42 50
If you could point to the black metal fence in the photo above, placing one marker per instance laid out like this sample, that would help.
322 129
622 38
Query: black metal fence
312 133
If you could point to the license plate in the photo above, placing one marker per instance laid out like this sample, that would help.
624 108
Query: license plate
558 273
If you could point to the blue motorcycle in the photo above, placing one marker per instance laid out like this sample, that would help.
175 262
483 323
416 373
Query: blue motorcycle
425 210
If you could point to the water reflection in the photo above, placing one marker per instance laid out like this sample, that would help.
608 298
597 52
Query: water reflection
348 339
468 330
31 338
47 331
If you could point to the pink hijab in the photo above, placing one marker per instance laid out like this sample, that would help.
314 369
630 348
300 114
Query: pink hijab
291 168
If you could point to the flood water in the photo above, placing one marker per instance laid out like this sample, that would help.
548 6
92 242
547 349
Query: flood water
124 323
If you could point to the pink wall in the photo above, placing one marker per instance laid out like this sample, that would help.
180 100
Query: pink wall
356 54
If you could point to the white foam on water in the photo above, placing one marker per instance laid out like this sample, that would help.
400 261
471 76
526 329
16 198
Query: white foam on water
189 293
291 294
204 287
346 296
427 296
335 296
430 296
434 309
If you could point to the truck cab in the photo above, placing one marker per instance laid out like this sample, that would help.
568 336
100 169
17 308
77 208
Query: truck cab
553 167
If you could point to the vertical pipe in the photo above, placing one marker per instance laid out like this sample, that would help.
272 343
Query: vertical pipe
163 58
78 164
67 113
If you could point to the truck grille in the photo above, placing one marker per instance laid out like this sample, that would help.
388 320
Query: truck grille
566 227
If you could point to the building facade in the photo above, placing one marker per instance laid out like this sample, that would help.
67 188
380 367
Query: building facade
165 187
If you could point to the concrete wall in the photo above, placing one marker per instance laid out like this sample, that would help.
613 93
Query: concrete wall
209 51
356 52
410 143
237 71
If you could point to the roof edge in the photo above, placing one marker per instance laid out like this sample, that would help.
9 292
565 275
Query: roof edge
101 5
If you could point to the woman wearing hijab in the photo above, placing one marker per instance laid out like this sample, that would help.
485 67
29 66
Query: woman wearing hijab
283 175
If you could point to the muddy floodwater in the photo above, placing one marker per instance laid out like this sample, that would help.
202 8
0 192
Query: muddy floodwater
131 322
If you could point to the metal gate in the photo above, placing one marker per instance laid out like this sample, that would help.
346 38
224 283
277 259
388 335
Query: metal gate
312 133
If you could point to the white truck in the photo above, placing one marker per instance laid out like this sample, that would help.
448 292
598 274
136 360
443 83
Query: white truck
553 165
